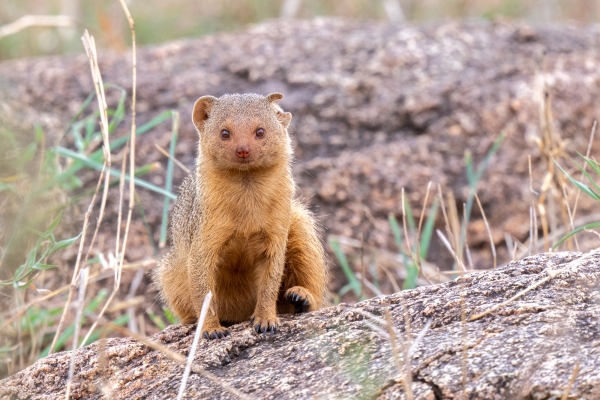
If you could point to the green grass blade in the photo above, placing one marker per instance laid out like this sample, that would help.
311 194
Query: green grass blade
335 245
398 237
98 155
410 282
575 231
584 188
170 316
588 176
120 321
592 163
169 181
63 244
119 113
98 166
471 178
410 218
160 324
396 230
54 223
484 164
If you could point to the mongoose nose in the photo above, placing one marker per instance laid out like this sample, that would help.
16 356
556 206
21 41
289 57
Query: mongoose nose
243 152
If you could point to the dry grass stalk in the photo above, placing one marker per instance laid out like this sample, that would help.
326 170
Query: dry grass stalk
570 215
489 230
121 253
466 242
118 266
28 21
391 278
551 274
418 240
551 147
369 285
80 301
190 360
533 236
452 228
448 246
90 48
404 226
393 258
565 395
176 161
406 380
17 313
178 358
133 287
133 136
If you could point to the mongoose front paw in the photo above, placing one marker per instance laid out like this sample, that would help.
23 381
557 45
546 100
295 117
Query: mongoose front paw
218 333
299 298
264 325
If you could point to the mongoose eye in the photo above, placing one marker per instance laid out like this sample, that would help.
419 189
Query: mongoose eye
260 132
225 134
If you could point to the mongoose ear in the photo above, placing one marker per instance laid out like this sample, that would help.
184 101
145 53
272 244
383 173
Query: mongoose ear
274 97
202 110
284 117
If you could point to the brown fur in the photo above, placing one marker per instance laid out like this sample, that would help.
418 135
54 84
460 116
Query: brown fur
236 228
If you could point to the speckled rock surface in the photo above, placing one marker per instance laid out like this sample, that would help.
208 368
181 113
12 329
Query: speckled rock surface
377 108
526 349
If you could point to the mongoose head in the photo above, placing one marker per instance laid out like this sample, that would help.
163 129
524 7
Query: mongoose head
243 131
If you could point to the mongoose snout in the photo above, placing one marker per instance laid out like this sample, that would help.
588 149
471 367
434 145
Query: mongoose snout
237 229
243 152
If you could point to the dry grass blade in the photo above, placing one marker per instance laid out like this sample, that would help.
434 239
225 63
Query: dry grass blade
448 246
178 358
90 48
121 254
369 285
28 21
118 268
17 313
489 230
392 258
551 275
190 360
82 286
565 395
452 230
405 228
419 337
570 215
392 338
176 161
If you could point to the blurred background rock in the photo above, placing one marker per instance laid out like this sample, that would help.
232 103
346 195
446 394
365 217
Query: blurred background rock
159 21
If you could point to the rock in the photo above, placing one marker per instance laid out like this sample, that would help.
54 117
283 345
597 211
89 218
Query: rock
377 107
527 348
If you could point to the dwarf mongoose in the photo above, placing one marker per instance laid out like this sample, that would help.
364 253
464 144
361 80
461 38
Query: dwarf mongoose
236 228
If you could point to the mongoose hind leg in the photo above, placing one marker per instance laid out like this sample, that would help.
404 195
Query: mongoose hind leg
305 279
171 279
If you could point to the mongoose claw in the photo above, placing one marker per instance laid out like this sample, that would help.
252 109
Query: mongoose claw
269 326
300 303
217 334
